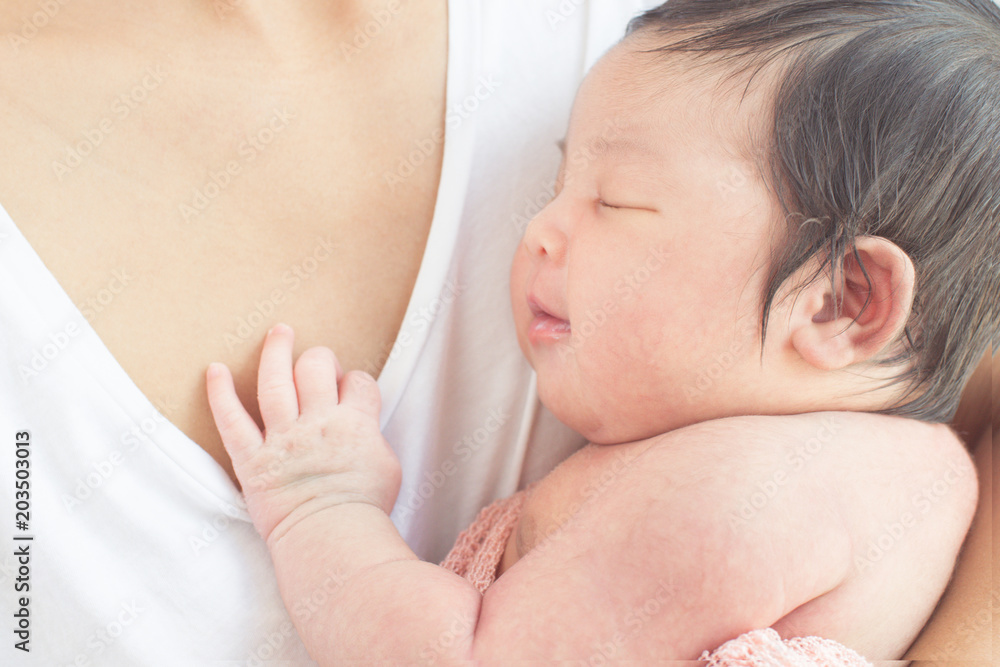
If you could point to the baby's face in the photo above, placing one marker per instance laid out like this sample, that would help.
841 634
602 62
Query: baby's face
636 291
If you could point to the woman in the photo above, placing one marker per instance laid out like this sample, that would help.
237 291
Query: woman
963 627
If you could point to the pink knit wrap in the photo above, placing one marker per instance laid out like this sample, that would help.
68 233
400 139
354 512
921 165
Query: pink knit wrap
479 548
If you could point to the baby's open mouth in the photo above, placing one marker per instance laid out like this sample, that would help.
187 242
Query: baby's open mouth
544 325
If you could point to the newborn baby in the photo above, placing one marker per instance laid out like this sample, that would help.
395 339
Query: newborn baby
771 218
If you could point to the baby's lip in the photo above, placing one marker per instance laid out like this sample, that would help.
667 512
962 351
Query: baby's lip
545 327
539 308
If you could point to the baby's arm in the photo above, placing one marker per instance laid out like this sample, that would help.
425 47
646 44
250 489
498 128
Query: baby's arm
319 488
653 567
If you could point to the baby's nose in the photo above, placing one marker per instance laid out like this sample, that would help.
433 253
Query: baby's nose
545 237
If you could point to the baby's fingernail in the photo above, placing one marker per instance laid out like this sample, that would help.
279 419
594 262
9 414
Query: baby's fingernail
214 370
279 328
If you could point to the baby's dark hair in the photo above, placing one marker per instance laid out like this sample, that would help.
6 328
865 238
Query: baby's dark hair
885 122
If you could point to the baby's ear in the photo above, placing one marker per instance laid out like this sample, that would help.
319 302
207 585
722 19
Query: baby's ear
874 289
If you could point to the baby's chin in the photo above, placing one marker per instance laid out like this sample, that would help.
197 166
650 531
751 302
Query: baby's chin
599 429
602 426
564 408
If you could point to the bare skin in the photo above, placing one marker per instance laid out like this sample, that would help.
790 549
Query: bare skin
654 524
964 626
199 85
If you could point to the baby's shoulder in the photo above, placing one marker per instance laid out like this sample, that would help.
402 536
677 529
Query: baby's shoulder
846 449
876 469
769 510
904 492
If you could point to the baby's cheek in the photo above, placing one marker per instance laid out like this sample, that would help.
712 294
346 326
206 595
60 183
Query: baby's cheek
629 354
655 348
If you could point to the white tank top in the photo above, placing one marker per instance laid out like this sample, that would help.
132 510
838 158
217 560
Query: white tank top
141 551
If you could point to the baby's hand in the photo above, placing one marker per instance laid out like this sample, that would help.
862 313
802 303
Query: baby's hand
321 445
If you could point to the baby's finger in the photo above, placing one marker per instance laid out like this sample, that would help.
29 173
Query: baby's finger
279 406
316 375
359 390
239 432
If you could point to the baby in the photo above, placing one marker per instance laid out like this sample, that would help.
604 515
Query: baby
803 193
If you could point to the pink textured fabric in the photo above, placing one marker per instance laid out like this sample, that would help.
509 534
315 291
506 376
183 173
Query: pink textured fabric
478 550
766 648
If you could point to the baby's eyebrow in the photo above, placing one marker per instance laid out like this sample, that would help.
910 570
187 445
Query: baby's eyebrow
616 147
